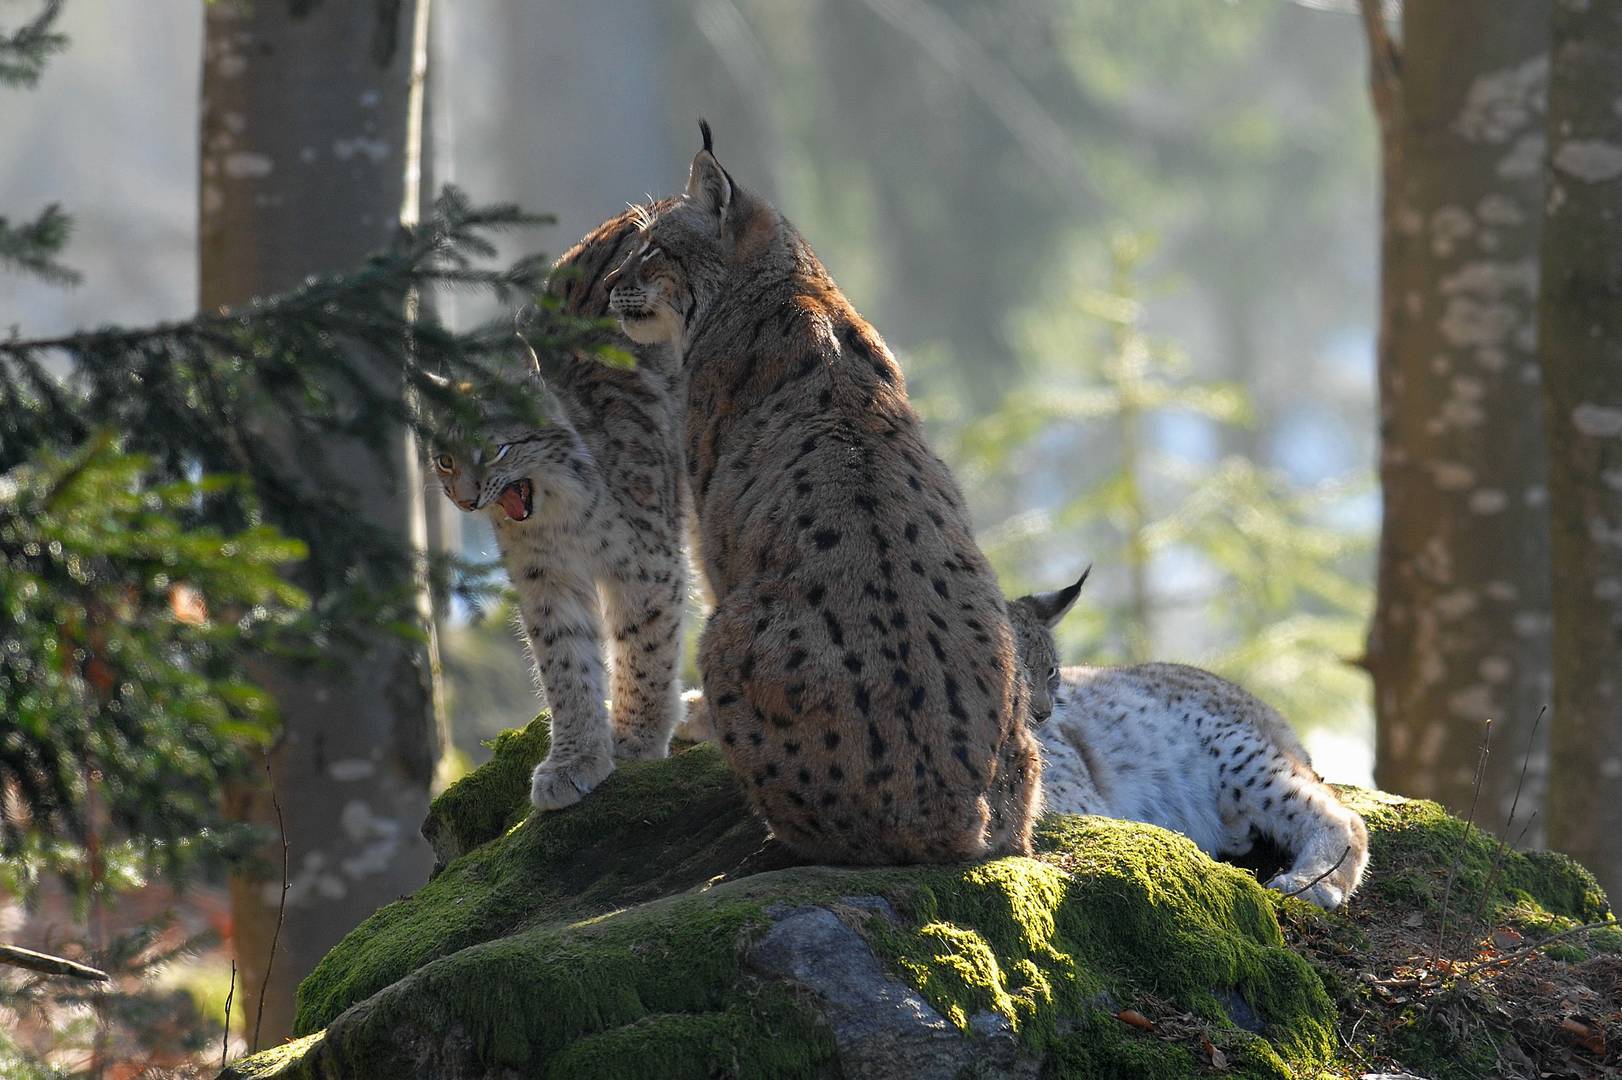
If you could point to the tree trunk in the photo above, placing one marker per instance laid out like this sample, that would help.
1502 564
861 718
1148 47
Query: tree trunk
1460 629
306 168
1581 329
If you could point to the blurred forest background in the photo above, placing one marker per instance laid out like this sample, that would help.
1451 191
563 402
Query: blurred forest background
1069 221
1128 255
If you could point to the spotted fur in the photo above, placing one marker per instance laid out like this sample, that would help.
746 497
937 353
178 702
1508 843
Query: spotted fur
859 664
1189 751
600 554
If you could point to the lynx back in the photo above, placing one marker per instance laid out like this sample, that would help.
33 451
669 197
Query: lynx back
859 665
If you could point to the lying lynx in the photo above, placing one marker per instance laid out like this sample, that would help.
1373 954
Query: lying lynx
859 664
587 511
1186 750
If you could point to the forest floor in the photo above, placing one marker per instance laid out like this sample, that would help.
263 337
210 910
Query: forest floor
1525 998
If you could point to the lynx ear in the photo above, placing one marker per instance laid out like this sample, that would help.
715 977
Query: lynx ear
1050 607
707 183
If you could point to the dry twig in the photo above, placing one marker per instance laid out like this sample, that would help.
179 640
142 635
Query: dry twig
281 912
225 1036
1464 840
1521 952
1323 875
1503 841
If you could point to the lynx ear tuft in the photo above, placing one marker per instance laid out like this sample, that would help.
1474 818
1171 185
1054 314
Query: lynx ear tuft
707 182
1050 607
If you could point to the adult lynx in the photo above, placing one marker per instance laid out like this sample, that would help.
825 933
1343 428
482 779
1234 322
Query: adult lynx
859 663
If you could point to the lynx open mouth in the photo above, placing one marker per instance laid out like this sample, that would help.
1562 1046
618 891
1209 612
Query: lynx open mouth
517 499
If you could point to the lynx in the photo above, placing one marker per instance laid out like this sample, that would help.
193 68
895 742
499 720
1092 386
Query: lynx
1186 750
587 511
859 665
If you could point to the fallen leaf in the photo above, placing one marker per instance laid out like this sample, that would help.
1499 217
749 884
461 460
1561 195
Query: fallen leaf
1216 1057
1504 939
1589 1038
1136 1019
1413 920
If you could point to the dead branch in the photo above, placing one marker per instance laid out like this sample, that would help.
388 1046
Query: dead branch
46 964
1521 952
281 912
225 1036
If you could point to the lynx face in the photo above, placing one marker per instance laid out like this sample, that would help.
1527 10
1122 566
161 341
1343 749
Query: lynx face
686 247
650 296
507 465
487 475
1033 618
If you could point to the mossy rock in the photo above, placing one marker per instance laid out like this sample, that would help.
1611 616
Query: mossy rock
653 930
489 800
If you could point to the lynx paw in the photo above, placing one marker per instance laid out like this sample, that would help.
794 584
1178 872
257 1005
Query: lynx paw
639 746
556 784
1325 893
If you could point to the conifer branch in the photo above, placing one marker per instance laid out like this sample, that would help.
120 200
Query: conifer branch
24 51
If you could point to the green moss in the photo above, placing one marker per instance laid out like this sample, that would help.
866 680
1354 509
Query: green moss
609 940
1414 846
651 829
1419 843
655 990
770 1030
492 798
1097 1044
1607 939
289 1061
608 935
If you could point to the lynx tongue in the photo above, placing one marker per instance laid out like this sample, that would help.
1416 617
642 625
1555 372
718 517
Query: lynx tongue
515 499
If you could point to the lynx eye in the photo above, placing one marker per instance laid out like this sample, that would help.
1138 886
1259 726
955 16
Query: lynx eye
651 252
501 452
444 463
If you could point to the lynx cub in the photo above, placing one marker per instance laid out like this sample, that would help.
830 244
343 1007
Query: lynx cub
587 511
1186 750
859 665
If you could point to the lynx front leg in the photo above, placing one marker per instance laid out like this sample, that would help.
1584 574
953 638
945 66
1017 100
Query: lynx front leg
1331 849
563 627
1279 797
646 622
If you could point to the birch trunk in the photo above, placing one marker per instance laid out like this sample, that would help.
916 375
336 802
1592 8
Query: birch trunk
307 166
1581 327
1460 631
